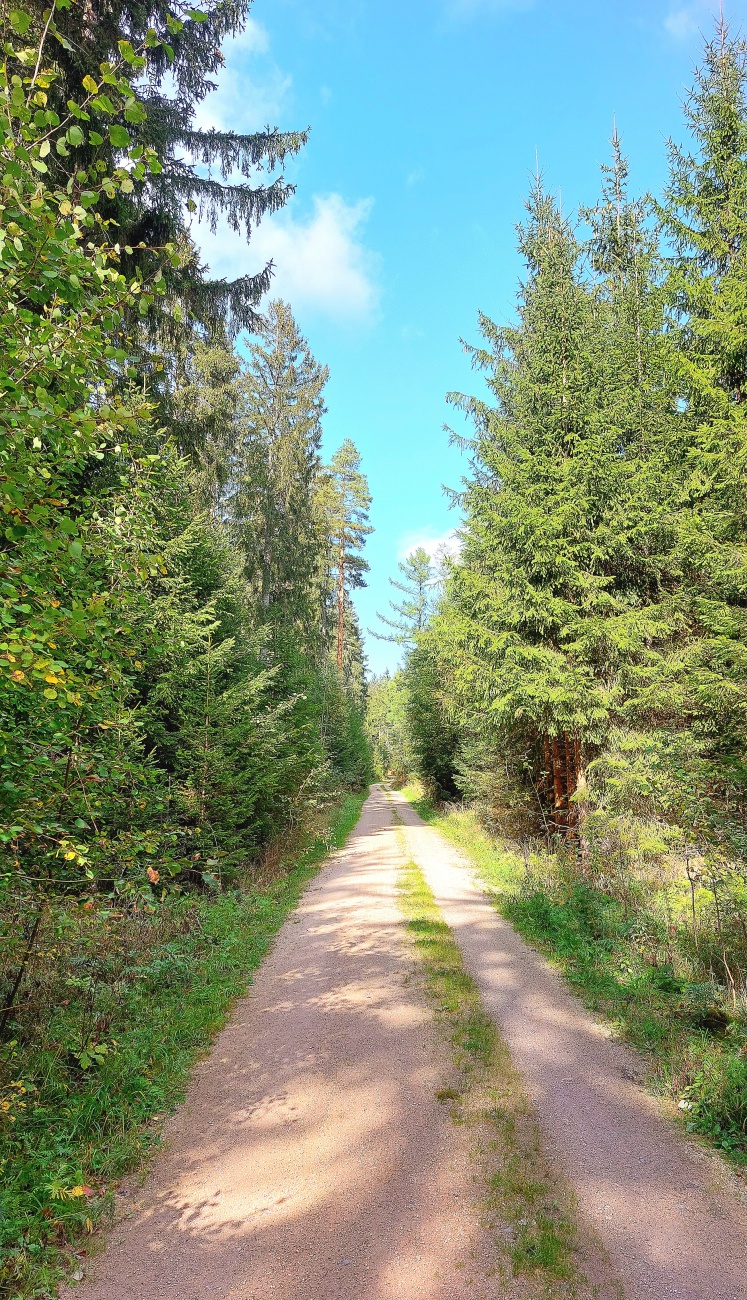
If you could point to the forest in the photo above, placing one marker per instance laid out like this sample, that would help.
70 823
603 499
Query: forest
187 726
181 669
574 685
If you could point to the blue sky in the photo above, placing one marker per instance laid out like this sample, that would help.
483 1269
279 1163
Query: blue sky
426 118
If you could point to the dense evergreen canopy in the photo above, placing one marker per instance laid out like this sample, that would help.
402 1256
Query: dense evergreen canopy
170 700
586 663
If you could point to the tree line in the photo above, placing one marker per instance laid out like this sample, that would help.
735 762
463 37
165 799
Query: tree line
181 667
583 676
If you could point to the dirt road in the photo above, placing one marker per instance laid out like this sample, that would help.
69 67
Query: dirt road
312 1160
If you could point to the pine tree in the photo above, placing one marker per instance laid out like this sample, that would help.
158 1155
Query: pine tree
344 501
420 577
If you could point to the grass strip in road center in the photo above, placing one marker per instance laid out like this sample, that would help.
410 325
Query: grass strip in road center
529 1210
629 962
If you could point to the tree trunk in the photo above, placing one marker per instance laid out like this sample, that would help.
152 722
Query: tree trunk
558 784
571 777
266 568
562 776
340 604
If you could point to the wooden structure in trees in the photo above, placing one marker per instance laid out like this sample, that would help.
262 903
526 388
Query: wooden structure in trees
561 767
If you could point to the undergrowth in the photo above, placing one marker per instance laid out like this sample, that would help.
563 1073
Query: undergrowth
530 1212
628 961
77 1118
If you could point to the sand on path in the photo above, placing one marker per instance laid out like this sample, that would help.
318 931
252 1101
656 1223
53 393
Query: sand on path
311 1159
672 1217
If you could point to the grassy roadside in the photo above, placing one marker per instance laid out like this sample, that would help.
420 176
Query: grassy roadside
529 1211
617 959
75 1131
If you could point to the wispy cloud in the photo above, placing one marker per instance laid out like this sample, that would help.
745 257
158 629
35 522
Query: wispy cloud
252 91
688 20
321 261
438 546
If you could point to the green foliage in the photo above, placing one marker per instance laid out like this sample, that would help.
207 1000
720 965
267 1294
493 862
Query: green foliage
160 723
434 731
78 476
165 58
387 726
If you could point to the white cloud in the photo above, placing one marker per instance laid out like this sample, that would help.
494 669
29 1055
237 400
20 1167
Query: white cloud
686 21
465 9
321 262
252 40
245 100
438 547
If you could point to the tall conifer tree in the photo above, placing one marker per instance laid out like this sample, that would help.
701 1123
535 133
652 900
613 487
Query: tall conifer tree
527 569
418 578
565 577
275 467
703 687
345 500
244 178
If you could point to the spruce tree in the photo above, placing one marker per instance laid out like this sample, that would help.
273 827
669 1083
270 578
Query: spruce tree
702 688
704 215
165 58
527 568
562 587
275 468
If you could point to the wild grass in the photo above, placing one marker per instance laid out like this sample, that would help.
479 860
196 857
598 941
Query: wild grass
631 958
151 989
529 1210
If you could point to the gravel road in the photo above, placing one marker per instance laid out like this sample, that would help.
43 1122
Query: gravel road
312 1161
